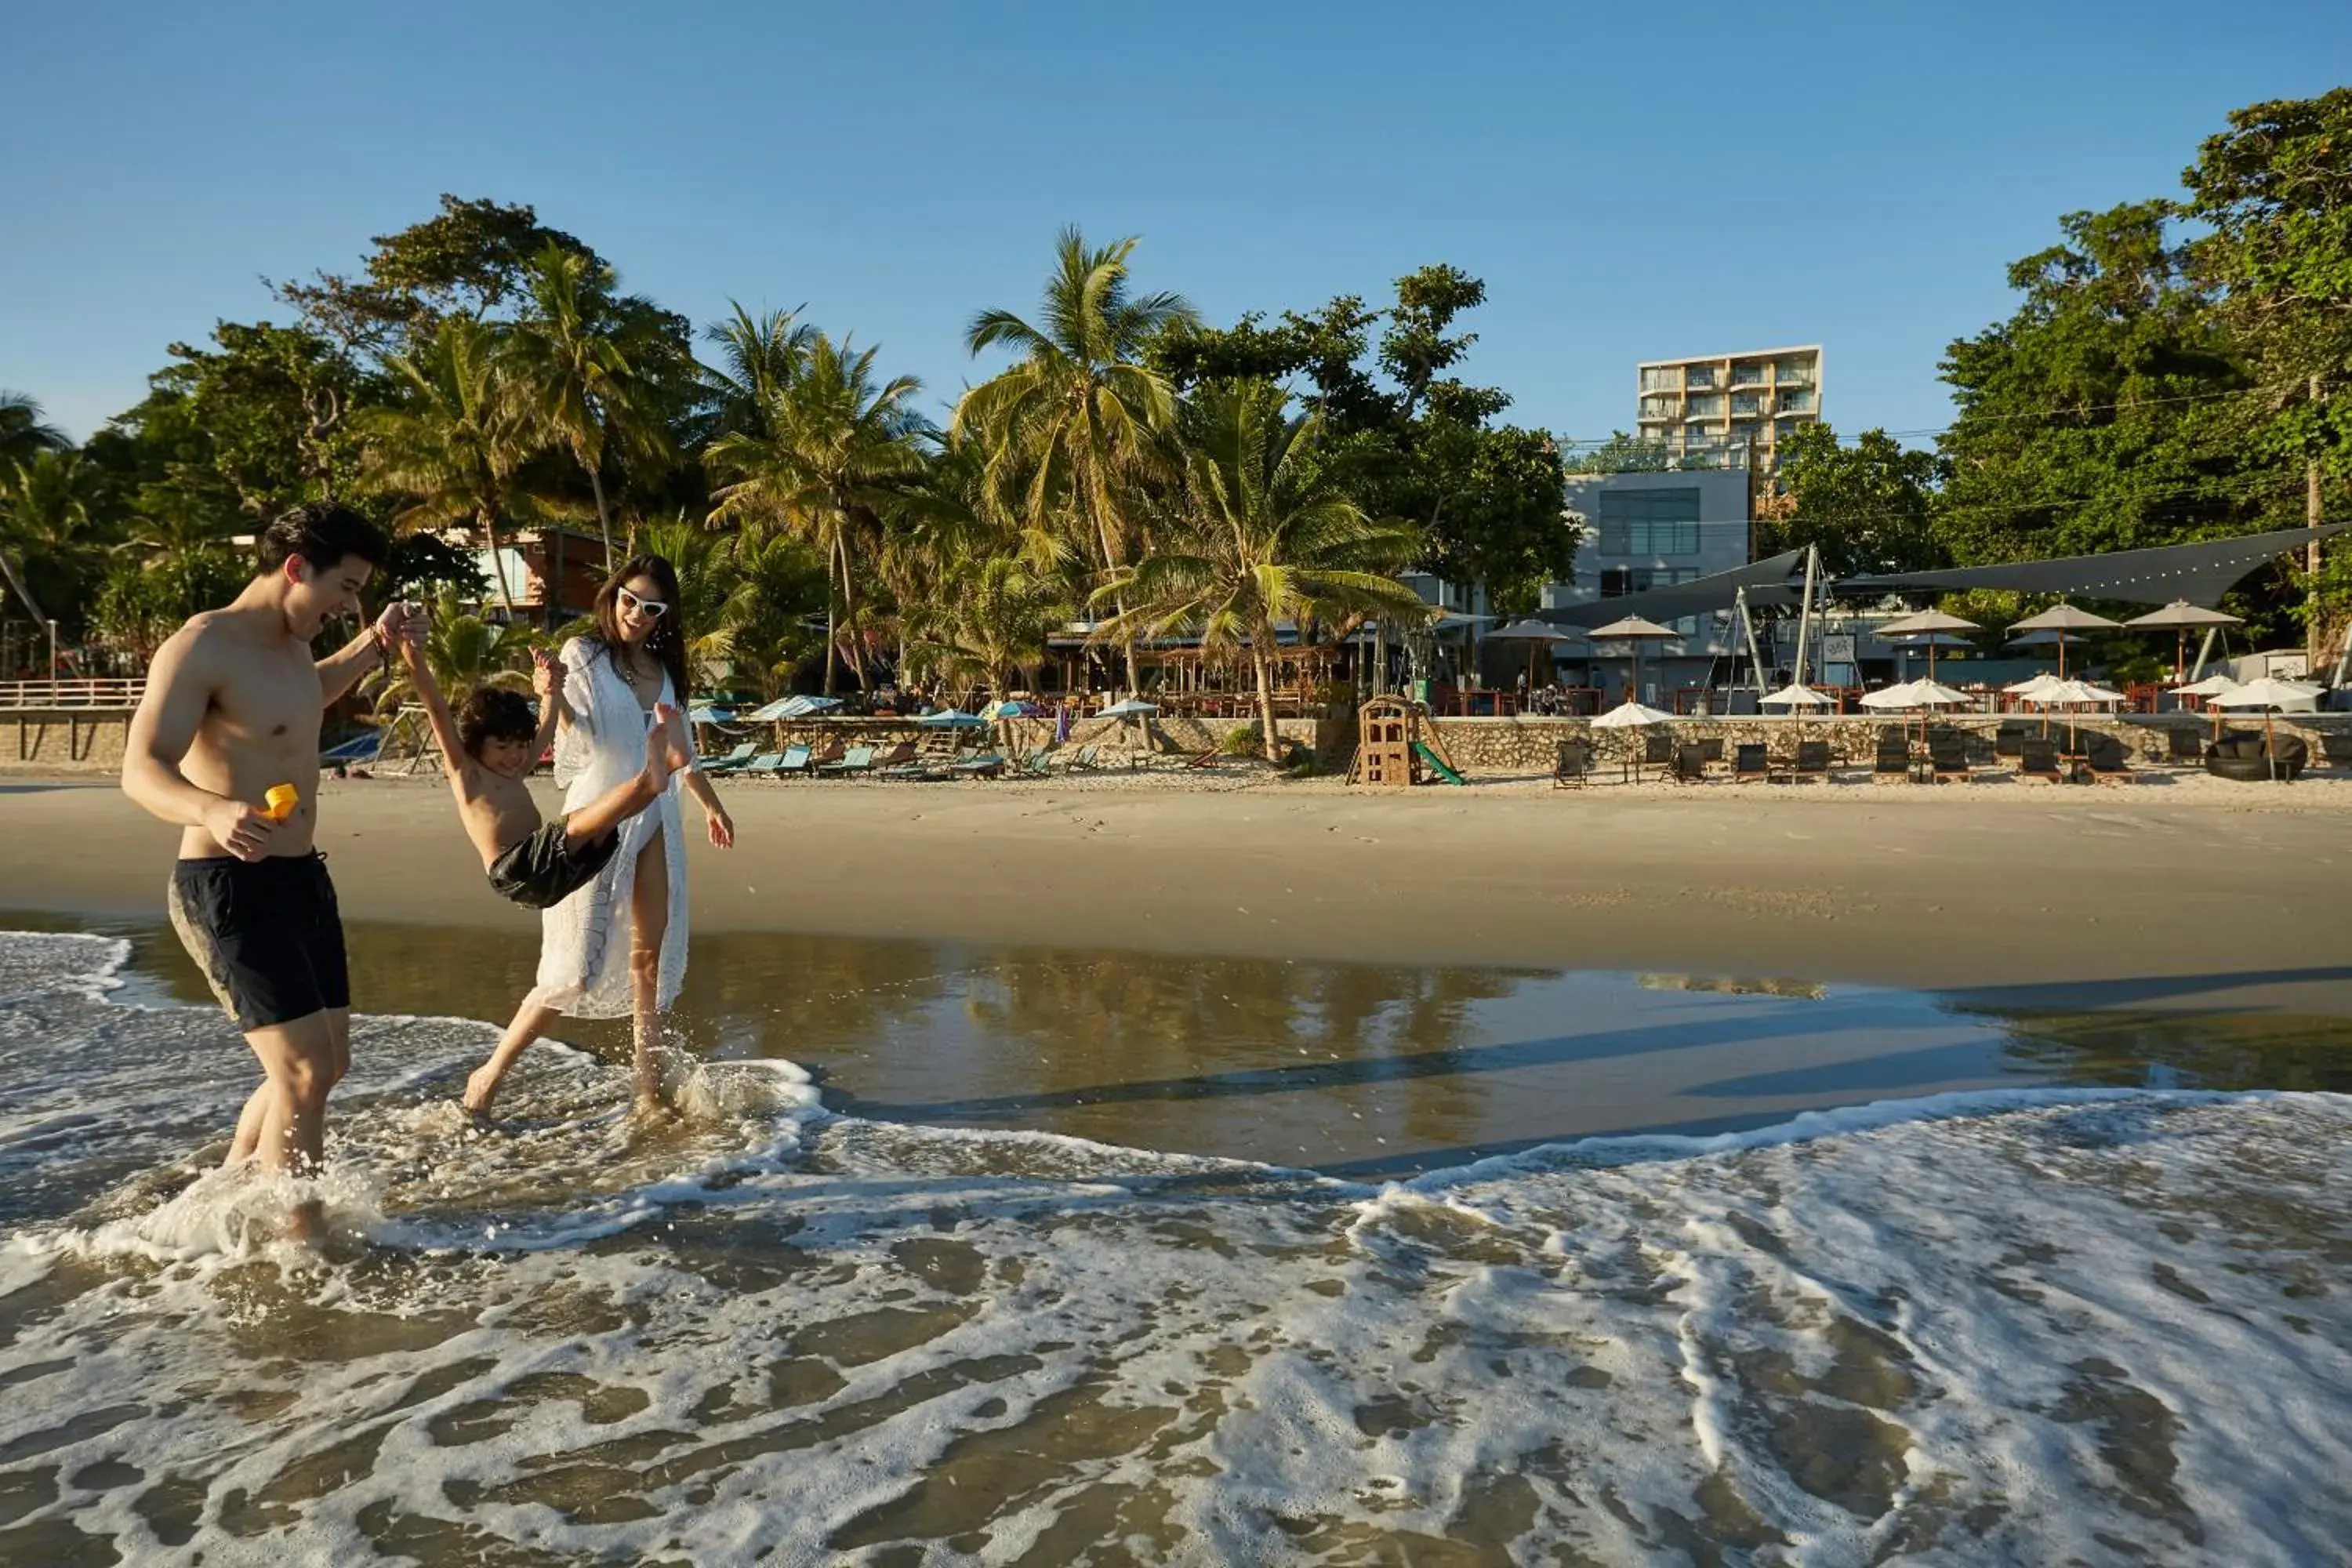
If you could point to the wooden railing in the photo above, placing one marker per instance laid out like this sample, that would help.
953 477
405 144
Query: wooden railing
20 696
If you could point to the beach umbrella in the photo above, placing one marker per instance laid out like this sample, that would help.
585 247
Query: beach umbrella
1631 716
1632 629
2270 694
709 713
1013 708
2180 617
953 719
807 707
1533 632
1929 625
768 712
1131 708
1890 697
1795 696
2030 684
2063 618
2067 694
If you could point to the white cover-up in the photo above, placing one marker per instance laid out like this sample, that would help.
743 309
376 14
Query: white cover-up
583 945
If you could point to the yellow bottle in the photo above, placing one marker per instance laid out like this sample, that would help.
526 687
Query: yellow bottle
280 801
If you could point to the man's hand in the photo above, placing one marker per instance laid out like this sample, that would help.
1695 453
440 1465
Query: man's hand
404 625
243 830
546 673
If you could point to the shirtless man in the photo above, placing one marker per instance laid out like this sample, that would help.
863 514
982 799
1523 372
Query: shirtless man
232 705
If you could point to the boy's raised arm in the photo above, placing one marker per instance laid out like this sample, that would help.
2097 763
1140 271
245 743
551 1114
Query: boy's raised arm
436 710
547 680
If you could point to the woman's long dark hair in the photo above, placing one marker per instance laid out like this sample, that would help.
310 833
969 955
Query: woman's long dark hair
669 642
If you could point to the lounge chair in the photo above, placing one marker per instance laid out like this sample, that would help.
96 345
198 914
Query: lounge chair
2109 760
798 762
1892 762
1812 761
2244 756
1689 764
1573 765
856 762
1750 762
734 761
2009 738
1711 751
978 765
891 764
1081 761
2038 759
2335 749
1948 758
764 767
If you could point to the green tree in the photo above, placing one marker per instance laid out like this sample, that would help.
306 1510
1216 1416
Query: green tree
992 621
1410 440
570 361
1073 426
759 358
144 598
2274 194
1264 536
1867 507
836 460
471 259
465 653
773 584
1620 454
454 446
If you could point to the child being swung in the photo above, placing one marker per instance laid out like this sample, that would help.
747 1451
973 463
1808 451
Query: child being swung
489 747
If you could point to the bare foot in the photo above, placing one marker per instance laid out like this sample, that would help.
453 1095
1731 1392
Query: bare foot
481 1088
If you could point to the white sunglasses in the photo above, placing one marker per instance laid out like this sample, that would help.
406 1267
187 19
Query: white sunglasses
652 609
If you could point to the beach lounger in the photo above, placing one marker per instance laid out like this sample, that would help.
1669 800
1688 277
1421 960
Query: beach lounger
2109 760
1573 765
856 762
1812 761
1081 761
2009 738
765 766
2187 747
2335 749
1893 762
1948 759
1657 752
978 765
1689 764
734 761
1750 762
2038 759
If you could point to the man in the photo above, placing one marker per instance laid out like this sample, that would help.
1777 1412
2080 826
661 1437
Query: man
232 707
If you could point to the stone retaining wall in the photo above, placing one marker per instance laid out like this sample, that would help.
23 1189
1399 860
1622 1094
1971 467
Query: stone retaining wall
1190 735
64 740
1529 745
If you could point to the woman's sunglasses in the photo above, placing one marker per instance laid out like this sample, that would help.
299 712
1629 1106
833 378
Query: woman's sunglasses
652 609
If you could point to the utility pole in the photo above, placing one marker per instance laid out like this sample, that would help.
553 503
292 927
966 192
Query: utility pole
2311 551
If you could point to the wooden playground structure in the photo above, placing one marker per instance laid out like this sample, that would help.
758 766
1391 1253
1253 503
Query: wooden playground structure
1395 746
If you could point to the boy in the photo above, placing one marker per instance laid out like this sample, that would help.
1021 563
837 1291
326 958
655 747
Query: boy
490 748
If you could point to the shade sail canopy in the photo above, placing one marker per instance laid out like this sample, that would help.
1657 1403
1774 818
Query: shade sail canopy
1629 716
1926 621
2180 616
2065 619
1630 629
1794 696
2199 574
1767 582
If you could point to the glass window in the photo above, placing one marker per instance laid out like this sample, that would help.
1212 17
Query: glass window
1711 405
1649 522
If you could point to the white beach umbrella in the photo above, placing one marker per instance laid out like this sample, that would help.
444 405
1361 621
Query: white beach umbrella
2212 686
1795 695
1893 698
2270 694
2030 684
1933 694
1631 716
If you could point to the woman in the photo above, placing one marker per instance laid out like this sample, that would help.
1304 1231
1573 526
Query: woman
617 945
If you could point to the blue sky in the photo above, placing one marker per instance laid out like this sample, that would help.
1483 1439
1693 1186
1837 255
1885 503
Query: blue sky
1630 183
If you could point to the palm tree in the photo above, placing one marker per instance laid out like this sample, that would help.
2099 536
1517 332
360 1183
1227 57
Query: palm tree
773 583
454 444
23 431
761 357
46 524
1262 537
1072 424
836 460
569 367
993 619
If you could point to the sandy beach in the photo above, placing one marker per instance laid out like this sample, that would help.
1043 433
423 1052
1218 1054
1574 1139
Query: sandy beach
2191 892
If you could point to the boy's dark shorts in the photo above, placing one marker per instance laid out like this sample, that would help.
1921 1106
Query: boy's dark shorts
546 868
266 934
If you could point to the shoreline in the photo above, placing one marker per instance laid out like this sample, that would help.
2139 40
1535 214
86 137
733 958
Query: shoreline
2115 898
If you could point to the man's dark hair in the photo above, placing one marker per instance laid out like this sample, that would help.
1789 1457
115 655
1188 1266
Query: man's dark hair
493 713
322 533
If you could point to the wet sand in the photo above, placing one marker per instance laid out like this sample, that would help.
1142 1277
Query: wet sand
2146 897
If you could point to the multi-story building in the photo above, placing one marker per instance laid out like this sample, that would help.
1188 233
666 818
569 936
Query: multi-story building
1646 530
1730 410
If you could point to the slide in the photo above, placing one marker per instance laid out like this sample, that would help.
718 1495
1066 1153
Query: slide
1435 764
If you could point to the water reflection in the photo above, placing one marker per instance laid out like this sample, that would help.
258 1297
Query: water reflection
1367 1069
